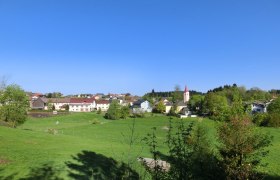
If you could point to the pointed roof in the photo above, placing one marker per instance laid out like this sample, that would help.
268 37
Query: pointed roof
186 89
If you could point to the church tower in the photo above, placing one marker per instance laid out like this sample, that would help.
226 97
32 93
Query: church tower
186 95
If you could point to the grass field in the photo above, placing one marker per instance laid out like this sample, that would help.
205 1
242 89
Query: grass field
32 148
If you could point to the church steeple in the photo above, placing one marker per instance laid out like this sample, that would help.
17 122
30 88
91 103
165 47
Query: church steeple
186 95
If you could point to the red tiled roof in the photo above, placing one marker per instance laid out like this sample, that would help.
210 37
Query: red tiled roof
103 102
82 100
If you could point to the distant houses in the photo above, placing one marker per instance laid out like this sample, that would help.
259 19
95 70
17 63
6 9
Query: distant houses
103 105
77 104
260 107
141 106
82 104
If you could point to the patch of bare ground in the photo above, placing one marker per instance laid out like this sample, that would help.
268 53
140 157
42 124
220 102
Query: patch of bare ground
4 161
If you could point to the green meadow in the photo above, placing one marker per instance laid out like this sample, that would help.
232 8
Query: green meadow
49 145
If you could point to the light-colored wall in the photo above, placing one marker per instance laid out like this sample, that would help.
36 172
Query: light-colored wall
82 107
167 109
59 105
103 107
146 106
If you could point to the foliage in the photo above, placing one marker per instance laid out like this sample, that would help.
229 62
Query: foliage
99 111
274 106
160 107
260 119
172 111
177 94
54 95
114 111
216 106
67 107
242 148
273 120
188 153
14 105
124 112
195 103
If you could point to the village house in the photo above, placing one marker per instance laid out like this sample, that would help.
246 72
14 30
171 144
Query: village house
40 103
103 105
260 107
141 106
59 103
82 104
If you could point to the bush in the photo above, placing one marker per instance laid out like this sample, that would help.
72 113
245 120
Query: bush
273 120
260 119
267 120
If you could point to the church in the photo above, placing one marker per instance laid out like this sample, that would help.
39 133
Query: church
182 107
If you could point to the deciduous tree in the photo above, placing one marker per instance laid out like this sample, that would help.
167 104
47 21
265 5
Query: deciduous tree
14 105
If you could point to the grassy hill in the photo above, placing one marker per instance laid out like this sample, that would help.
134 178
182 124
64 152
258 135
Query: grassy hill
49 145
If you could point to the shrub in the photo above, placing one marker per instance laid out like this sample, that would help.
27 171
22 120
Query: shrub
273 120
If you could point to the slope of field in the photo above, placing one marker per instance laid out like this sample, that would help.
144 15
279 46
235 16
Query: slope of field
48 145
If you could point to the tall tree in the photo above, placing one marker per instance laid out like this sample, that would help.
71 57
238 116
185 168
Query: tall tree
177 94
14 105
242 148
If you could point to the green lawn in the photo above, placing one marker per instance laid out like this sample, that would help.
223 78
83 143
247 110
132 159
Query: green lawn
30 146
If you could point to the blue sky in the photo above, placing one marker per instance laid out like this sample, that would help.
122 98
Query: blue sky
90 46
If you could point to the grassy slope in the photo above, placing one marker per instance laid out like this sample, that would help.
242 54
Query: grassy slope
31 146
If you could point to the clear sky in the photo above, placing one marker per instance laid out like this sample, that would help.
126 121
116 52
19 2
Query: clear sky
90 46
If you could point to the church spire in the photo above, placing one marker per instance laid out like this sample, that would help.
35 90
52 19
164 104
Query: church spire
186 95
186 89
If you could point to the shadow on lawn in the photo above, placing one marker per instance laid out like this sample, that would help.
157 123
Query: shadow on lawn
47 171
12 176
96 166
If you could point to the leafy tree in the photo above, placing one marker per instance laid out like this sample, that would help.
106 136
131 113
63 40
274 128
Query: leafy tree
260 119
189 153
237 108
195 103
273 120
242 148
160 107
274 106
177 94
14 105
124 112
216 106
114 111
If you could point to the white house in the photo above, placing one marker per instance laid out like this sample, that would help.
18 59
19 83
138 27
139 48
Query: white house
103 105
258 107
59 103
141 106
82 104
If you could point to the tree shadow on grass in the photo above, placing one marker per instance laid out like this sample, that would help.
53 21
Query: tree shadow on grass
12 176
97 166
45 172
